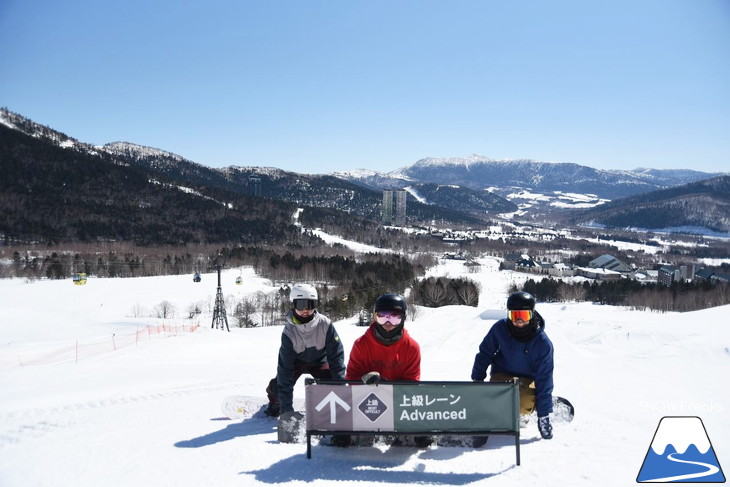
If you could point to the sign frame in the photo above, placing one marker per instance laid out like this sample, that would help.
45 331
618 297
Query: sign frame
414 408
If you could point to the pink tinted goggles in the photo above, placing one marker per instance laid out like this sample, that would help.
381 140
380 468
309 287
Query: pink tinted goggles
383 317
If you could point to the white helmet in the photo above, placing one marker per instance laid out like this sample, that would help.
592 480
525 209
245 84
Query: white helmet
303 291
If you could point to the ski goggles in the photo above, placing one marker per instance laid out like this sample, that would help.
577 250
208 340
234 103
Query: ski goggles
520 314
383 317
304 304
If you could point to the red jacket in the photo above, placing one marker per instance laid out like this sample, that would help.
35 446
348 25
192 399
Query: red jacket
399 361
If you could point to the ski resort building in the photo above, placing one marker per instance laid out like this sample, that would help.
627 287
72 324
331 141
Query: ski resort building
610 263
394 207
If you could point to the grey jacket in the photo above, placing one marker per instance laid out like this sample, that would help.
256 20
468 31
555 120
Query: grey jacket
310 344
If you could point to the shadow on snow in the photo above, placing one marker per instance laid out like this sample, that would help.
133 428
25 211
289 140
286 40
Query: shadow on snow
372 464
247 427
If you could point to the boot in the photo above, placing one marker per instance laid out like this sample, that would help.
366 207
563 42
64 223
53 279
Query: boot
272 410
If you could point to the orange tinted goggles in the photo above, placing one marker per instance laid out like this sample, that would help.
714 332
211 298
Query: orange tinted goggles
520 314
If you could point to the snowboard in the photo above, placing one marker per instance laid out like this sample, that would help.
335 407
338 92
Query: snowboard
242 407
411 441
291 428
563 410
464 441
346 440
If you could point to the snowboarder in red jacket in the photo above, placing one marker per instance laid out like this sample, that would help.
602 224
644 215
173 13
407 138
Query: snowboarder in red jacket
386 351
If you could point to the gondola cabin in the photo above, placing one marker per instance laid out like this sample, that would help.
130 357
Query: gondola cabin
79 278
196 277
239 280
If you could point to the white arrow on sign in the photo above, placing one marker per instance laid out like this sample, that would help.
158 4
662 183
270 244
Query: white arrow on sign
333 400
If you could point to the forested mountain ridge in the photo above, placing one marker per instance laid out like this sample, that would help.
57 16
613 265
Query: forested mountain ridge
151 196
51 195
701 204
320 191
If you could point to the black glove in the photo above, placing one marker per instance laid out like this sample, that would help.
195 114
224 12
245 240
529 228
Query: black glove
371 378
546 429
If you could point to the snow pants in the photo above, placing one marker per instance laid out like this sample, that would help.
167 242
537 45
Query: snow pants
527 390
319 371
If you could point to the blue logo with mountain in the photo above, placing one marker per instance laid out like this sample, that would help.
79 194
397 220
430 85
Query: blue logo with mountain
681 452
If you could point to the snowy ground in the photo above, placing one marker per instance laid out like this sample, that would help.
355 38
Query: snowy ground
76 412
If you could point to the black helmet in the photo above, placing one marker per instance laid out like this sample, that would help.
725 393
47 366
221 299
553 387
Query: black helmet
391 302
521 300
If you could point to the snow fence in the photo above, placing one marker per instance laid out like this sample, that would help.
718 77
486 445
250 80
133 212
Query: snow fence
79 350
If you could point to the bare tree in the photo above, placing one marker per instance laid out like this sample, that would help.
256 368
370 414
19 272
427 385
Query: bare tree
433 293
571 292
138 311
243 313
194 309
468 293
165 310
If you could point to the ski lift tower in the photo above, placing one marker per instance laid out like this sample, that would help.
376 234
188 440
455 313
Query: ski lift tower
219 312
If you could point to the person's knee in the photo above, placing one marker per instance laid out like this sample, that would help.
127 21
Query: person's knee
527 401
272 389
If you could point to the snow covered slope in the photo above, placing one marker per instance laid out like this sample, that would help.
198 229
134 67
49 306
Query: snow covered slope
79 413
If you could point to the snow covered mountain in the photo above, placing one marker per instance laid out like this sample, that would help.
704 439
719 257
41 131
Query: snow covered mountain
452 190
317 191
480 172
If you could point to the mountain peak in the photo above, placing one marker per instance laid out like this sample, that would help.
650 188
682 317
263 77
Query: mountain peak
136 150
356 173
453 161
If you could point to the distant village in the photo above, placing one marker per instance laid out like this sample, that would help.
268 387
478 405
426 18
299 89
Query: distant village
604 268
609 268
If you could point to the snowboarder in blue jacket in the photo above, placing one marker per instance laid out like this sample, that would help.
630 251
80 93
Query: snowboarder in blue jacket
517 347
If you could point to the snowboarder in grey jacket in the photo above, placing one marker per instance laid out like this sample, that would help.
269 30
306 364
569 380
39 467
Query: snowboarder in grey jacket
309 345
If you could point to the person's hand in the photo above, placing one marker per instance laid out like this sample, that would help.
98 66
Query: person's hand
546 429
371 378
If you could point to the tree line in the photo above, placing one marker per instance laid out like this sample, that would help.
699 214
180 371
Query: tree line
345 285
681 296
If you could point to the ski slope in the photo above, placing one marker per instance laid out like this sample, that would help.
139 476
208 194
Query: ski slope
84 404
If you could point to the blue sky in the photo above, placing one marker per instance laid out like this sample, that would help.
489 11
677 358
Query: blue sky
323 86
